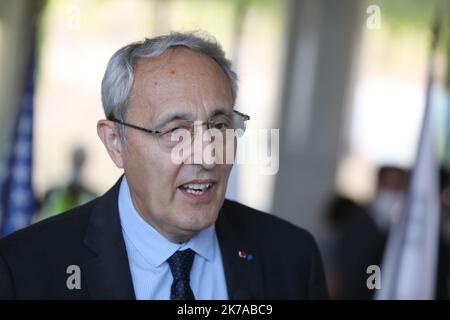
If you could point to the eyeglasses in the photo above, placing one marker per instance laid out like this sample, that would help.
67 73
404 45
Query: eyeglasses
169 134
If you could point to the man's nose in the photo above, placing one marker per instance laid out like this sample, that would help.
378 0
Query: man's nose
203 151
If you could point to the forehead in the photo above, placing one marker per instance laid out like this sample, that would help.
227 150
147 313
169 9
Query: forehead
179 80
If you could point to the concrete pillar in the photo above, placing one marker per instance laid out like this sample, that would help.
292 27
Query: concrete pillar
322 36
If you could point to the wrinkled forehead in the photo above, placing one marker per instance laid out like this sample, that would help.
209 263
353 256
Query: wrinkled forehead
176 60
180 78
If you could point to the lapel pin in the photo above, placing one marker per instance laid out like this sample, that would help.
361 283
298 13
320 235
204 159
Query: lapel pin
242 254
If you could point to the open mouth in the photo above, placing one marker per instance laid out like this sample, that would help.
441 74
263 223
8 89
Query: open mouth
198 190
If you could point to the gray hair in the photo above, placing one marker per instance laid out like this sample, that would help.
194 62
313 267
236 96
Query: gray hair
118 80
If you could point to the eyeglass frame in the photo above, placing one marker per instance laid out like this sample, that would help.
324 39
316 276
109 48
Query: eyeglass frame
158 132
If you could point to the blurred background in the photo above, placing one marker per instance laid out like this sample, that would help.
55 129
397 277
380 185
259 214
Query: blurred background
344 81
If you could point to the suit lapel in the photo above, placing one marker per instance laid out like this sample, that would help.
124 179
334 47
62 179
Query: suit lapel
108 274
242 263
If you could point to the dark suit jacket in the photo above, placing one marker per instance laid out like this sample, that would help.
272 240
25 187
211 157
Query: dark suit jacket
285 262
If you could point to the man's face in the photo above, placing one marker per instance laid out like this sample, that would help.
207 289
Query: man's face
190 84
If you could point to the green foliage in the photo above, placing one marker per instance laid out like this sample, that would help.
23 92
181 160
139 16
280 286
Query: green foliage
402 15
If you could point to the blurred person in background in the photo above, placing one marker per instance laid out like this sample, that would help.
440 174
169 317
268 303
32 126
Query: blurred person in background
358 244
392 184
164 230
339 211
61 199
361 232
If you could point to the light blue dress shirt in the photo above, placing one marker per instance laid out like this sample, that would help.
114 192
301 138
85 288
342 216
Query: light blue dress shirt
148 252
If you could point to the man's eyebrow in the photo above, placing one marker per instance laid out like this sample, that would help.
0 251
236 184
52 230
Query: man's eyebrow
186 116
174 116
222 111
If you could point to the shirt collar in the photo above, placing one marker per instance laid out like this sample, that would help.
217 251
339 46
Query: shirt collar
153 246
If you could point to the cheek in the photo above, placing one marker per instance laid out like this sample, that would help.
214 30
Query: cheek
152 168
225 171
160 174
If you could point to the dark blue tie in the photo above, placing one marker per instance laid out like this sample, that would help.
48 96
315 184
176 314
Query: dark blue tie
180 265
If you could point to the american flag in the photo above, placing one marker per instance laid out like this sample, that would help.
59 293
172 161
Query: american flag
17 202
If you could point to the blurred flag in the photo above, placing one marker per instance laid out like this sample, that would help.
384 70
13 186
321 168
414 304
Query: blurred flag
17 202
410 259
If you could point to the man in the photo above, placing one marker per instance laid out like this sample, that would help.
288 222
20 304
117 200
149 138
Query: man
164 231
75 193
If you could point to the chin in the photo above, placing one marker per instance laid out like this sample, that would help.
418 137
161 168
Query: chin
197 219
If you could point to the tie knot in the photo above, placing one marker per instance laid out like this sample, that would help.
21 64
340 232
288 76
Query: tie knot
181 263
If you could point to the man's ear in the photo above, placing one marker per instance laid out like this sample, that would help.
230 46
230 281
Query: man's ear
108 133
